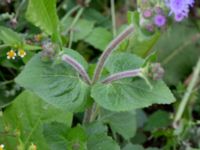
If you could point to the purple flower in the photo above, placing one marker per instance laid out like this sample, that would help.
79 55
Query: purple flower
179 17
159 20
147 13
180 8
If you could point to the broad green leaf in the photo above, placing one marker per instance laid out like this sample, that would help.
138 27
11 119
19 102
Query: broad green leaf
27 114
123 123
99 38
56 83
81 29
96 128
14 39
55 135
128 94
60 137
133 147
123 61
10 37
159 119
98 138
125 95
42 13
102 142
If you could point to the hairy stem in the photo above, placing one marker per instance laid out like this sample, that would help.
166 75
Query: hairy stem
110 48
122 75
77 66
186 96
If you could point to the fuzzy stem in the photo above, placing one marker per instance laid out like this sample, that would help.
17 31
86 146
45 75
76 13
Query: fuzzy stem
122 75
112 2
110 48
77 66
186 96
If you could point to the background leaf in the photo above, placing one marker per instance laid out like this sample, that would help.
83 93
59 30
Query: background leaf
27 114
123 123
99 38
42 13
10 37
62 138
178 53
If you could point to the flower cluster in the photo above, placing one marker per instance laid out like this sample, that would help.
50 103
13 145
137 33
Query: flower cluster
12 54
180 8
155 14
153 17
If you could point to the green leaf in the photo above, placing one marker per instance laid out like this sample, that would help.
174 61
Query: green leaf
27 114
133 147
62 138
123 123
159 119
55 135
128 94
102 142
56 83
96 128
81 29
98 138
10 37
123 61
99 38
97 16
125 95
42 13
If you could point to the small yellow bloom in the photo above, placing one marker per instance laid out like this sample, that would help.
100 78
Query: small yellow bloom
1 147
21 53
11 54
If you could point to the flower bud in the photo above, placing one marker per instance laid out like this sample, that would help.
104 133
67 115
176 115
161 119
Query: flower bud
156 71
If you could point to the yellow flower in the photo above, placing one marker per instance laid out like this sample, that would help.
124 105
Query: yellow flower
1 147
11 54
21 53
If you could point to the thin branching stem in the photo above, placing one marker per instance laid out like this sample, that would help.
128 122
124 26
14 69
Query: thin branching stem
122 75
110 48
112 2
77 66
